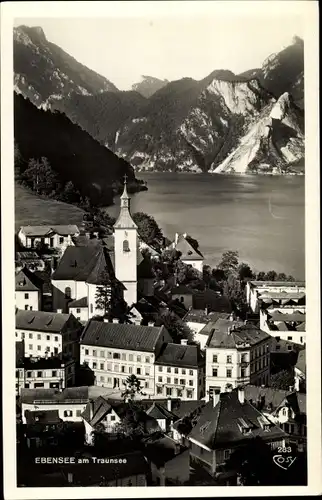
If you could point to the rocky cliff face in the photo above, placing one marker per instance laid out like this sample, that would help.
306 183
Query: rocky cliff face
44 72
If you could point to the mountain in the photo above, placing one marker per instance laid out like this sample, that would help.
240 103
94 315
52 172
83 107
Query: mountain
43 70
72 153
148 85
273 144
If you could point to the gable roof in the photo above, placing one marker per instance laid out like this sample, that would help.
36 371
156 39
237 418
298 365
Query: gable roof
122 336
218 426
43 321
187 356
100 407
249 334
301 361
27 281
188 252
296 401
159 412
78 303
84 263
63 230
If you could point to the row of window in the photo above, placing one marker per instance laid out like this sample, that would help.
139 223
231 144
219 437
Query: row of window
42 374
39 348
116 368
40 336
117 355
116 382
176 370
229 372
176 381
171 391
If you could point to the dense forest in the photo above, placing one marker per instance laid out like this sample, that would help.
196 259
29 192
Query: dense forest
73 155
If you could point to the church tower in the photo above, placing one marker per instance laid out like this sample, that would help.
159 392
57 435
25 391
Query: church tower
126 249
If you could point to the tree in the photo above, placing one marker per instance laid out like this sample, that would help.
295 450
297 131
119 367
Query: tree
132 388
234 291
175 326
70 194
148 229
282 380
271 276
244 271
102 218
40 176
229 262
104 293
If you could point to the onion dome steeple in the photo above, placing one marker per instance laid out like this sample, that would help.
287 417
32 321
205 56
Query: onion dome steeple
125 220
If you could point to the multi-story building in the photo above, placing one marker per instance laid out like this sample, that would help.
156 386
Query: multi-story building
28 291
279 293
115 351
48 334
284 323
236 354
57 236
180 372
48 373
189 254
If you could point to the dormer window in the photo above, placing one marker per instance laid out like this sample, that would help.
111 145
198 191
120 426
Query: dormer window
126 247
244 427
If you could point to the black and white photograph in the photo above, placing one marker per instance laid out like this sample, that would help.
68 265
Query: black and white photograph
161 253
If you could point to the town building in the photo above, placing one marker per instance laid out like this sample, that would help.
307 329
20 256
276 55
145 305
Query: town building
226 423
29 260
114 351
48 334
183 294
42 428
56 236
285 323
180 371
197 319
203 335
236 354
28 291
279 293
291 417
189 254
300 372
48 373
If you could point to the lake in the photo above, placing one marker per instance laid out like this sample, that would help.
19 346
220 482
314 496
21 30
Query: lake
262 217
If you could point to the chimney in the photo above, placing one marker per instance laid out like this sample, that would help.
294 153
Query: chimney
241 395
116 320
176 238
105 320
59 311
184 341
151 323
215 398
169 404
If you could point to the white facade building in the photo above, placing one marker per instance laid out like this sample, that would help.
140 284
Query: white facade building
28 291
57 236
279 293
189 254
284 323
50 373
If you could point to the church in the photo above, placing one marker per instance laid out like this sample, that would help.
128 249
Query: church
84 268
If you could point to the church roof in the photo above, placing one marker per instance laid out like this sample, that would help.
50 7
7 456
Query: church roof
125 220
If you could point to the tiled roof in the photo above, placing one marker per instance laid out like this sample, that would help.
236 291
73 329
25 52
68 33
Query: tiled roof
69 394
41 320
42 417
301 361
122 336
278 316
218 426
188 252
43 363
209 299
269 397
295 400
159 412
63 230
78 303
200 316
100 408
249 334
27 281
179 408
84 263
215 321
188 356
33 256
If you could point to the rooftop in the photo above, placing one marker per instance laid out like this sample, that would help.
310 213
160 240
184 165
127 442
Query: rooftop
48 417
40 320
223 424
78 303
162 449
188 252
282 284
179 408
63 230
43 363
243 334
301 361
33 256
122 336
201 316
27 281
267 397
187 356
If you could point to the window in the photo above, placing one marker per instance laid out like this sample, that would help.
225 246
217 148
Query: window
68 292
190 382
26 308
278 347
130 370
26 295
30 347
56 339
138 359
55 350
54 373
179 393
116 368
91 307
191 373
47 337
168 380
301 340
289 347
138 371
126 247
38 347
147 371
176 370
182 381
289 338
176 381
123 356
123 369
243 372
147 360
29 374
159 379
112 418
243 358
130 357
61 240
189 394
94 365
30 335
78 413
229 359
226 454
215 358
39 384
278 339
102 378
160 368
38 336
94 353
109 355
168 369
183 371
108 367
109 380
78 310
116 355
102 366
39 374
228 373
159 390
68 413
30 308
215 372
169 391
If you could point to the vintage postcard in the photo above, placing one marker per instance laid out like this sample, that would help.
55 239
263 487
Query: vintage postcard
160 249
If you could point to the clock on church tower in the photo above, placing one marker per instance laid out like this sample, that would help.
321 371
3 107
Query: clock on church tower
126 249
